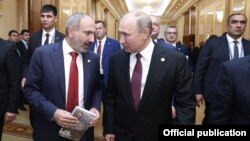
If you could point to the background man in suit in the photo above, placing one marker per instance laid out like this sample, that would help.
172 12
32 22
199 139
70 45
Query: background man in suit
108 47
48 17
22 46
48 81
216 51
230 103
10 68
171 34
141 90
156 31
12 38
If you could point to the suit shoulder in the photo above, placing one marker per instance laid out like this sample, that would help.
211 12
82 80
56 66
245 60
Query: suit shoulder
90 54
238 62
112 40
245 40
168 51
119 54
35 34
60 34
49 47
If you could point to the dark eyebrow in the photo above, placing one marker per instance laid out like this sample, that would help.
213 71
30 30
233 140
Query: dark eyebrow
236 21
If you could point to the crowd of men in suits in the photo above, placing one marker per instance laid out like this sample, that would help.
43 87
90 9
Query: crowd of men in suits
38 67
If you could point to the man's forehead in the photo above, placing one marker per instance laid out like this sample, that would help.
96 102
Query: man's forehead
47 13
236 17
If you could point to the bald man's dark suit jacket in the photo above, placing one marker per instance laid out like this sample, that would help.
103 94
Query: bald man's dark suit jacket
168 73
230 102
213 54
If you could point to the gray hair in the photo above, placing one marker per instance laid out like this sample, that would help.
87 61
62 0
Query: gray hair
143 20
74 21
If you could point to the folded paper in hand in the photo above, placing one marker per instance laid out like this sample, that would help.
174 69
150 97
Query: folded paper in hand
75 133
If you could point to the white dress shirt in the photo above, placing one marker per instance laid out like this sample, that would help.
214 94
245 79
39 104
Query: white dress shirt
67 61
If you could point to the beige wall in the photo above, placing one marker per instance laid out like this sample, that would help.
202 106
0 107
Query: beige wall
13 15
209 22
8 19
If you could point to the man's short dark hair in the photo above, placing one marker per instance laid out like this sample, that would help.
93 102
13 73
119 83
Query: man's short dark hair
99 21
49 8
12 31
24 31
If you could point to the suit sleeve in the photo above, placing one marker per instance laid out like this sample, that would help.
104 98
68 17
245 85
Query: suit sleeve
201 67
14 70
184 98
109 103
33 88
222 98
97 94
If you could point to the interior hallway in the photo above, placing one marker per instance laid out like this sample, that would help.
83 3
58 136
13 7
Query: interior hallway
23 118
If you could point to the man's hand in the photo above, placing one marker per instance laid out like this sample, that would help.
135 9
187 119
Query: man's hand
199 100
9 117
23 82
110 137
65 119
173 112
96 119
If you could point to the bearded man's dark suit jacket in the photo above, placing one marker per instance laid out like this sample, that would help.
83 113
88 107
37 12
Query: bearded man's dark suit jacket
230 102
213 54
35 41
45 89
10 69
168 73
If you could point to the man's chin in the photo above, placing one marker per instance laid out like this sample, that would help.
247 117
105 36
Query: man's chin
84 50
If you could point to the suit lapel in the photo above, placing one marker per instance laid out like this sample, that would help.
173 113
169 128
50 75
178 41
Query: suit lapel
246 47
106 49
58 63
158 61
39 42
86 73
225 48
248 60
57 37
124 64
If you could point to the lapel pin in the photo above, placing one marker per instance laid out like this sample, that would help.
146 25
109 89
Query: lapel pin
88 61
163 59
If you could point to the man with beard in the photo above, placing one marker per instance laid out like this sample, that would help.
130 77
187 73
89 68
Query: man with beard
61 76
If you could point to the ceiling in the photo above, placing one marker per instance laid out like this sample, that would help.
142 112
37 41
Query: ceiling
168 10
153 7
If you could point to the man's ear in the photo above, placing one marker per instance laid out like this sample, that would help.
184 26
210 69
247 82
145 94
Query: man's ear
146 32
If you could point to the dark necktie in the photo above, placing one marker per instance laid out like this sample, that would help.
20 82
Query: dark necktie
47 39
72 99
99 49
236 51
136 81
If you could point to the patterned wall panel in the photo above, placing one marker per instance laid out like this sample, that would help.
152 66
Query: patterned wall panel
111 25
68 7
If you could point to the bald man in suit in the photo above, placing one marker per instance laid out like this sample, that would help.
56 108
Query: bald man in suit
139 101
